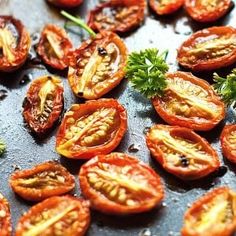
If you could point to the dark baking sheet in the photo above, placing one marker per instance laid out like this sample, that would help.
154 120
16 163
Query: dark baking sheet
24 150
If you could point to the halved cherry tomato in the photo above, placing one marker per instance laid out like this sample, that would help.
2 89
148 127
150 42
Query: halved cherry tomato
14 43
42 181
43 103
5 217
90 129
120 184
209 49
97 66
190 102
228 142
54 46
207 10
117 15
66 215
182 152
66 3
214 214
164 7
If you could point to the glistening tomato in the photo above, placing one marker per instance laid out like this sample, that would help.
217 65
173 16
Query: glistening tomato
14 43
209 49
42 181
66 215
207 11
93 128
182 152
66 3
120 184
214 214
53 47
97 66
189 102
43 103
228 142
117 15
5 217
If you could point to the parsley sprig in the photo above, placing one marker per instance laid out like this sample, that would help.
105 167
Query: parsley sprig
146 71
2 147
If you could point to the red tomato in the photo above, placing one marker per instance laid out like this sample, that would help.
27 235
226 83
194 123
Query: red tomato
43 103
182 152
97 66
209 49
207 11
164 7
117 15
42 181
54 45
66 3
14 43
5 217
120 184
66 215
189 102
93 128
214 214
228 142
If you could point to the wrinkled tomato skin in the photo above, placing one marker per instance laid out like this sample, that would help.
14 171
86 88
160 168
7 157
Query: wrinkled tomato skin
83 110
81 205
184 172
65 46
123 27
228 150
169 8
192 123
21 51
102 203
66 3
207 64
203 13
37 194
5 222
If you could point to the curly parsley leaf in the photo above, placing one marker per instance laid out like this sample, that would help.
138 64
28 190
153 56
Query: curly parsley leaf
2 147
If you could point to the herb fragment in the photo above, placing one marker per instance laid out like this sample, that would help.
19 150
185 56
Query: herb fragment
2 147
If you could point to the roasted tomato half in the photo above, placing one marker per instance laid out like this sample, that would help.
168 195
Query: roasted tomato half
164 7
14 43
66 3
120 184
66 215
214 214
43 103
5 217
53 47
97 66
228 142
90 129
209 49
182 152
42 181
117 15
207 10
190 102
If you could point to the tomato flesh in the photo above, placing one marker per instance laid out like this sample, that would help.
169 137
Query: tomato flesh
66 3
5 218
120 184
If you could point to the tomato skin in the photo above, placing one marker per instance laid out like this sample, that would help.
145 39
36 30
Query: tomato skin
36 193
102 203
124 23
192 213
168 8
5 221
20 52
183 170
102 40
204 63
81 111
193 122
229 148
31 104
76 228
66 3
199 12
65 45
